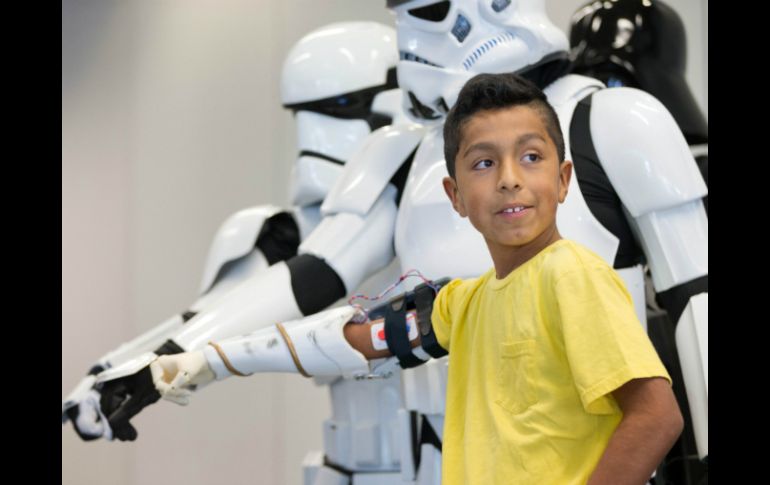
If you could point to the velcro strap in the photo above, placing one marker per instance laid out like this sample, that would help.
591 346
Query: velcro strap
423 299
396 334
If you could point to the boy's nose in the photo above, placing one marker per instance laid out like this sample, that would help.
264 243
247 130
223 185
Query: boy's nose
508 176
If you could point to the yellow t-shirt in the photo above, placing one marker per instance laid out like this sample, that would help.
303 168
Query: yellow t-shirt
533 359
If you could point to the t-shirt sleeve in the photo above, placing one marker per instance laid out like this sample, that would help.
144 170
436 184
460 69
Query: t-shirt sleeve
441 318
605 343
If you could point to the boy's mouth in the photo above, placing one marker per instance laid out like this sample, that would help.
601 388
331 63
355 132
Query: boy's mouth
514 209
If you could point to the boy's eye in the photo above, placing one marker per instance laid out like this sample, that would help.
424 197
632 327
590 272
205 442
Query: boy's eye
486 163
531 157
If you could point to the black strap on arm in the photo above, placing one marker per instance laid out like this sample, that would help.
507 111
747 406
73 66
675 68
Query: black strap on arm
396 334
423 299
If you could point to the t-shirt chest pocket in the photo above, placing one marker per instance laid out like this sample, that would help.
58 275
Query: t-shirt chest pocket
515 387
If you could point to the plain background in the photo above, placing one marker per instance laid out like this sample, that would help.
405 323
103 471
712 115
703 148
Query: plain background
172 121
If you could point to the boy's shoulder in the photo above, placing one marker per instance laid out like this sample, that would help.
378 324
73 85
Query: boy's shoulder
567 256
467 285
460 290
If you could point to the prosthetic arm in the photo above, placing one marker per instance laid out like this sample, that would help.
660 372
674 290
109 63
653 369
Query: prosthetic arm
650 166
313 346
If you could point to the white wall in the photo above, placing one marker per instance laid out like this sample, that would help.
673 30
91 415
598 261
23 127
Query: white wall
171 121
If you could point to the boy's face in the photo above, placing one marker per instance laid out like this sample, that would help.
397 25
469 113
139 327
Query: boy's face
508 180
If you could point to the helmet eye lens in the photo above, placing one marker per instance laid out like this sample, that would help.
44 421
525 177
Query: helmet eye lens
499 5
435 12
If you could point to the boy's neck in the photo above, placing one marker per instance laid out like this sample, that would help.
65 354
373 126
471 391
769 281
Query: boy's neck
507 260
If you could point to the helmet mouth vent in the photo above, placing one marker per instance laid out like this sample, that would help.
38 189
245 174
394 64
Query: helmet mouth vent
486 47
408 56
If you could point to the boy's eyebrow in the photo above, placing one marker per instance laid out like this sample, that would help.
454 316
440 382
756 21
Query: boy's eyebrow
485 145
526 137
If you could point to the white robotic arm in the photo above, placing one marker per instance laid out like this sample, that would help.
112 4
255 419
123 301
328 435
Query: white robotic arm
312 346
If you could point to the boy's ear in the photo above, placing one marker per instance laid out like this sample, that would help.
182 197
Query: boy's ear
450 187
565 175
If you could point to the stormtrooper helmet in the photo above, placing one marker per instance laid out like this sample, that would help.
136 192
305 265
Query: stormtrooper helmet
442 44
340 83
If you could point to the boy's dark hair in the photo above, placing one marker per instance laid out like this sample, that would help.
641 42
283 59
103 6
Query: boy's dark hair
491 92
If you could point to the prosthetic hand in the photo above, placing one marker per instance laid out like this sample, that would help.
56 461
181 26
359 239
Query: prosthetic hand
176 376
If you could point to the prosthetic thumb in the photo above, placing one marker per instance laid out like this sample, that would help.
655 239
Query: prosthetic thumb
175 376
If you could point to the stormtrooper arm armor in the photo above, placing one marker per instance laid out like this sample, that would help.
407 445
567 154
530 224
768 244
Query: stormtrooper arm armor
343 239
246 243
653 171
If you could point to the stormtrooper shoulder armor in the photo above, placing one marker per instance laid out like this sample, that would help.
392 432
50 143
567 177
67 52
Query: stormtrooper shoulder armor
640 145
235 238
371 168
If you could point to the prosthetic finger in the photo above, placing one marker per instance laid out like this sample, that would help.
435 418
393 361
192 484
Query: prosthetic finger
158 374
180 381
178 396
159 379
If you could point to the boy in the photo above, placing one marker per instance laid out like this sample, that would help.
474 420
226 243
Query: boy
551 378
